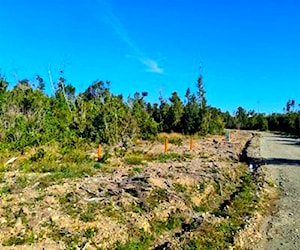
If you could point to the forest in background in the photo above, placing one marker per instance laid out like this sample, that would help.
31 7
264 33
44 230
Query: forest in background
29 117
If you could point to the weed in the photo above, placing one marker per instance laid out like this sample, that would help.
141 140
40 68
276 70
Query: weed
270 182
38 155
179 188
69 203
167 157
134 159
5 190
202 155
90 213
176 141
157 196
20 239
22 181
200 209
201 187
142 242
98 165
90 232
137 208
137 170
174 221
2 177
188 156
105 157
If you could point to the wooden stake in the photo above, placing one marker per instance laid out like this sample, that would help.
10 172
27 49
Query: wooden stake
166 144
99 152
191 143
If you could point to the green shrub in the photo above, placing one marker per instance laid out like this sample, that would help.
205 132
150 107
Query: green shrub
98 165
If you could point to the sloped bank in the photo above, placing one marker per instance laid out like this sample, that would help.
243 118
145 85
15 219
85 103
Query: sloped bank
267 193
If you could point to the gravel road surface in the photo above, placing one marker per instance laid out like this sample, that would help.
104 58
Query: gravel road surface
281 230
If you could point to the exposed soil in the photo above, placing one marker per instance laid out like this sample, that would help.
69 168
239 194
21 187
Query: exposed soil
119 204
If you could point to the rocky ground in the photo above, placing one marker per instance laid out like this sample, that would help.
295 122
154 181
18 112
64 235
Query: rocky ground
144 199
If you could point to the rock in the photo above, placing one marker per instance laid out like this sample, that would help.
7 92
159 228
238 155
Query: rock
10 161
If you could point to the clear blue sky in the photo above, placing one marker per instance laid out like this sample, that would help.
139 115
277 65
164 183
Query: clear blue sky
248 51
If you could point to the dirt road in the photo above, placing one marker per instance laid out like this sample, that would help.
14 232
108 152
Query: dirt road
281 230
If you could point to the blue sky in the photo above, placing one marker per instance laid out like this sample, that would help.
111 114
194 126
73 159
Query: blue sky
247 51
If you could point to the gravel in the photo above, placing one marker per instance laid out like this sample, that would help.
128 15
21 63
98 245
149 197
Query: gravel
281 230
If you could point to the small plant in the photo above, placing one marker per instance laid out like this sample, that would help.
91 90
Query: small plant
2 177
69 203
179 188
187 156
105 157
90 213
90 232
22 181
141 241
38 155
201 187
137 170
200 209
168 157
20 239
134 159
176 141
5 190
174 221
157 196
98 165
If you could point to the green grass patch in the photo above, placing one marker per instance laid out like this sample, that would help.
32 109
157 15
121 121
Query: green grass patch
165 157
134 159
143 242
27 238
174 221
5 190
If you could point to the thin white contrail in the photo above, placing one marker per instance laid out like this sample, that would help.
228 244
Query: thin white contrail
152 65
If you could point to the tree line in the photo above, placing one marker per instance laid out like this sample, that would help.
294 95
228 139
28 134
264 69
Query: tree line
30 117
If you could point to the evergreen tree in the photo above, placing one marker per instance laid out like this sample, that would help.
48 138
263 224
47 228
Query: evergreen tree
190 118
175 113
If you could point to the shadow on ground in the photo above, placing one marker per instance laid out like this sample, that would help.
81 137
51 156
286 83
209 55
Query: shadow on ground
281 161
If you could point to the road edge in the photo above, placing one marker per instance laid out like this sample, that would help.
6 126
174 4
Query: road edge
251 236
